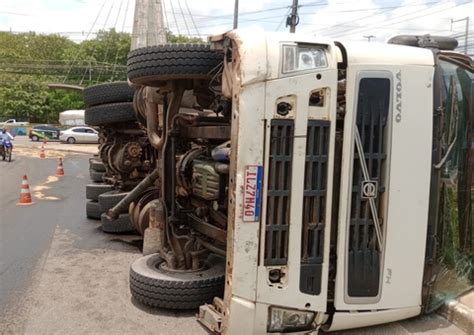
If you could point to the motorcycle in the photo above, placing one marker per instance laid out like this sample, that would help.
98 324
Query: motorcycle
6 148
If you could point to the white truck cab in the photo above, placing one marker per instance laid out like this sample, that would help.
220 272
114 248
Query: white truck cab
343 146
327 207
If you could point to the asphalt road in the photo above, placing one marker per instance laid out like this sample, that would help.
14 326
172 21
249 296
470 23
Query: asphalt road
59 273
26 231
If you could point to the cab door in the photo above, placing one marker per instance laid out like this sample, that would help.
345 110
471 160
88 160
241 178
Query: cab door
300 118
79 134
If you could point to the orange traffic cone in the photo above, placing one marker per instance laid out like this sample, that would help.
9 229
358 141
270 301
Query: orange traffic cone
60 169
42 155
25 195
45 140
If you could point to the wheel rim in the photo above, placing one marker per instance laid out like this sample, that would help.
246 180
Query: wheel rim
163 267
35 138
71 140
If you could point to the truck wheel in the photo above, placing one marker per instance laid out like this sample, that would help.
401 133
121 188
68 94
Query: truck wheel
109 199
149 65
94 190
93 210
97 165
96 176
109 113
101 94
119 225
151 285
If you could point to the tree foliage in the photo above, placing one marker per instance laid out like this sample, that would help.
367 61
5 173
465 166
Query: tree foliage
29 61
171 38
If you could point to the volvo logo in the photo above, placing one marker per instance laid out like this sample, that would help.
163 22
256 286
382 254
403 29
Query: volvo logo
398 97
369 189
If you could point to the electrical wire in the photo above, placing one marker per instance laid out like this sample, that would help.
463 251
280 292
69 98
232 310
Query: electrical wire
110 42
174 16
184 19
192 18
103 28
401 21
283 19
167 25
122 30
92 27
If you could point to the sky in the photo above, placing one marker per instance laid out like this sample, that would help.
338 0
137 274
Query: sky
338 19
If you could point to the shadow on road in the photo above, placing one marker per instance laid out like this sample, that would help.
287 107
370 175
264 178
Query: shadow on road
161 311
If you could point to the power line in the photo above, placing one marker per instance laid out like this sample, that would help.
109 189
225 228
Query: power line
174 16
192 18
107 45
400 21
182 14
283 19
164 13
14 13
103 28
372 9
92 27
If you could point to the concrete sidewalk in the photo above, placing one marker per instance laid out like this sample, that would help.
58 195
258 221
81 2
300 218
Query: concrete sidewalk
461 312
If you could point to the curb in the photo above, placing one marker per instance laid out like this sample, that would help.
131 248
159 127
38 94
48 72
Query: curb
460 314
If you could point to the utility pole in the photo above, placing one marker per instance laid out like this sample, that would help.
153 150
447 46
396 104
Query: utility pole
369 37
236 13
148 24
293 19
466 34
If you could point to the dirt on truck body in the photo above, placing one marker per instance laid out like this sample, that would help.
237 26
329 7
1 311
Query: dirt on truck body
300 182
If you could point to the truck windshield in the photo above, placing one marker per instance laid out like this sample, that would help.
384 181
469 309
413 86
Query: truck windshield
456 196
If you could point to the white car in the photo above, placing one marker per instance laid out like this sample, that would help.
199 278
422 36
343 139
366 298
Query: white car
79 135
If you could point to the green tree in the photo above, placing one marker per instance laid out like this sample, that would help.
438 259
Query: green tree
171 38
29 61
29 98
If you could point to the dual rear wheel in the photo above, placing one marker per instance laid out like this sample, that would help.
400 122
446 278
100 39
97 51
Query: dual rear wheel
151 283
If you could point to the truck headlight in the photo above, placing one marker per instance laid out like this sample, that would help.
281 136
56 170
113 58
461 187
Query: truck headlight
282 320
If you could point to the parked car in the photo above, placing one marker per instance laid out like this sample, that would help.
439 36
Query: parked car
13 123
44 131
79 135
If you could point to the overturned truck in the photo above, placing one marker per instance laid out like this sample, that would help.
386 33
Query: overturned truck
300 182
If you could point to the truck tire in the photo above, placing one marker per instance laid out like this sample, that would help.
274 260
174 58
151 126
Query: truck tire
109 113
109 199
94 190
119 225
149 65
107 93
152 286
93 210
96 176
97 165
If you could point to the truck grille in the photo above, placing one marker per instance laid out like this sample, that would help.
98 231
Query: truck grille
314 206
364 257
278 192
